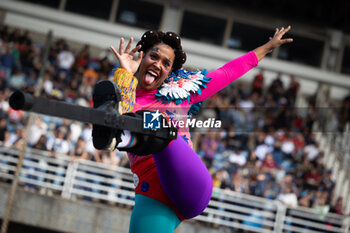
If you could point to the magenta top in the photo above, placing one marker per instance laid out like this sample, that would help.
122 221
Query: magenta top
146 100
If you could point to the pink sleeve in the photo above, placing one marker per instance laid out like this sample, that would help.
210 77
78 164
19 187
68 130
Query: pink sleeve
228 73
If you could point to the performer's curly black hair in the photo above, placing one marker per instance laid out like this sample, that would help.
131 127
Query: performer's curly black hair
151 38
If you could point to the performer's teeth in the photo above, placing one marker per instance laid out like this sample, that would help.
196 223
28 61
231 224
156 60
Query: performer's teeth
152 73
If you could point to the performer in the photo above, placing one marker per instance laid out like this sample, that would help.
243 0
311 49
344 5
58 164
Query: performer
172 183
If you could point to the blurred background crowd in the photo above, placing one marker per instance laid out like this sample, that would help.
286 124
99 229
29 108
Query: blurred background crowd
265 148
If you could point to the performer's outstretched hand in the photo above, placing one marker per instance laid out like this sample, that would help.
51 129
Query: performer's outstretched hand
275 42
126 57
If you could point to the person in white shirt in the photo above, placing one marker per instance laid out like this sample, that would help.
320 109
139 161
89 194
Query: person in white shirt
288 147
4 105
76 130
58 144
237 157
311 151
36 131
288 198
267 147
65 58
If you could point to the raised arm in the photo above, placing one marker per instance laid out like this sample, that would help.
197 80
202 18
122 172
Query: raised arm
124 76
228 73
236 68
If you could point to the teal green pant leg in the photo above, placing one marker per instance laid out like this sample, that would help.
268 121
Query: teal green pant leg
152 216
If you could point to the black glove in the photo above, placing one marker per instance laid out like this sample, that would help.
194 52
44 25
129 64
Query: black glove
149 143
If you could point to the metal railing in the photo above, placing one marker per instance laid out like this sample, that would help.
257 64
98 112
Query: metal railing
90 180
336 149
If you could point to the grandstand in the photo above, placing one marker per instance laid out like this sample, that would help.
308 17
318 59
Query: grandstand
281 162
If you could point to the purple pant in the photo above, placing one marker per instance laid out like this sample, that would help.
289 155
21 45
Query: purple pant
184 177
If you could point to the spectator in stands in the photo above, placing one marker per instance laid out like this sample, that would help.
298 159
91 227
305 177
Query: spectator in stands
3 129
210 111
16 137
277 152
288 150
58 144
71 91
239 183
36 130
48 83
224 178
106 69
210 147
85 89
24 43
4 33
76 130
79 151
306 198
82 59
124 161
320 203
237 158
17 80
31 82
258 188
65 60
41 143
311 151
258 83
235 140
53 56
299 144
3 81
15 35
59 85
110 158
247 106
292 91
289 179
262 149
269 165
91 150
337 208
288 197
344 116
222 106
237 116
313 178
86 135
90 76
4 104
276 88
31 59
4 135
328 184
7 61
